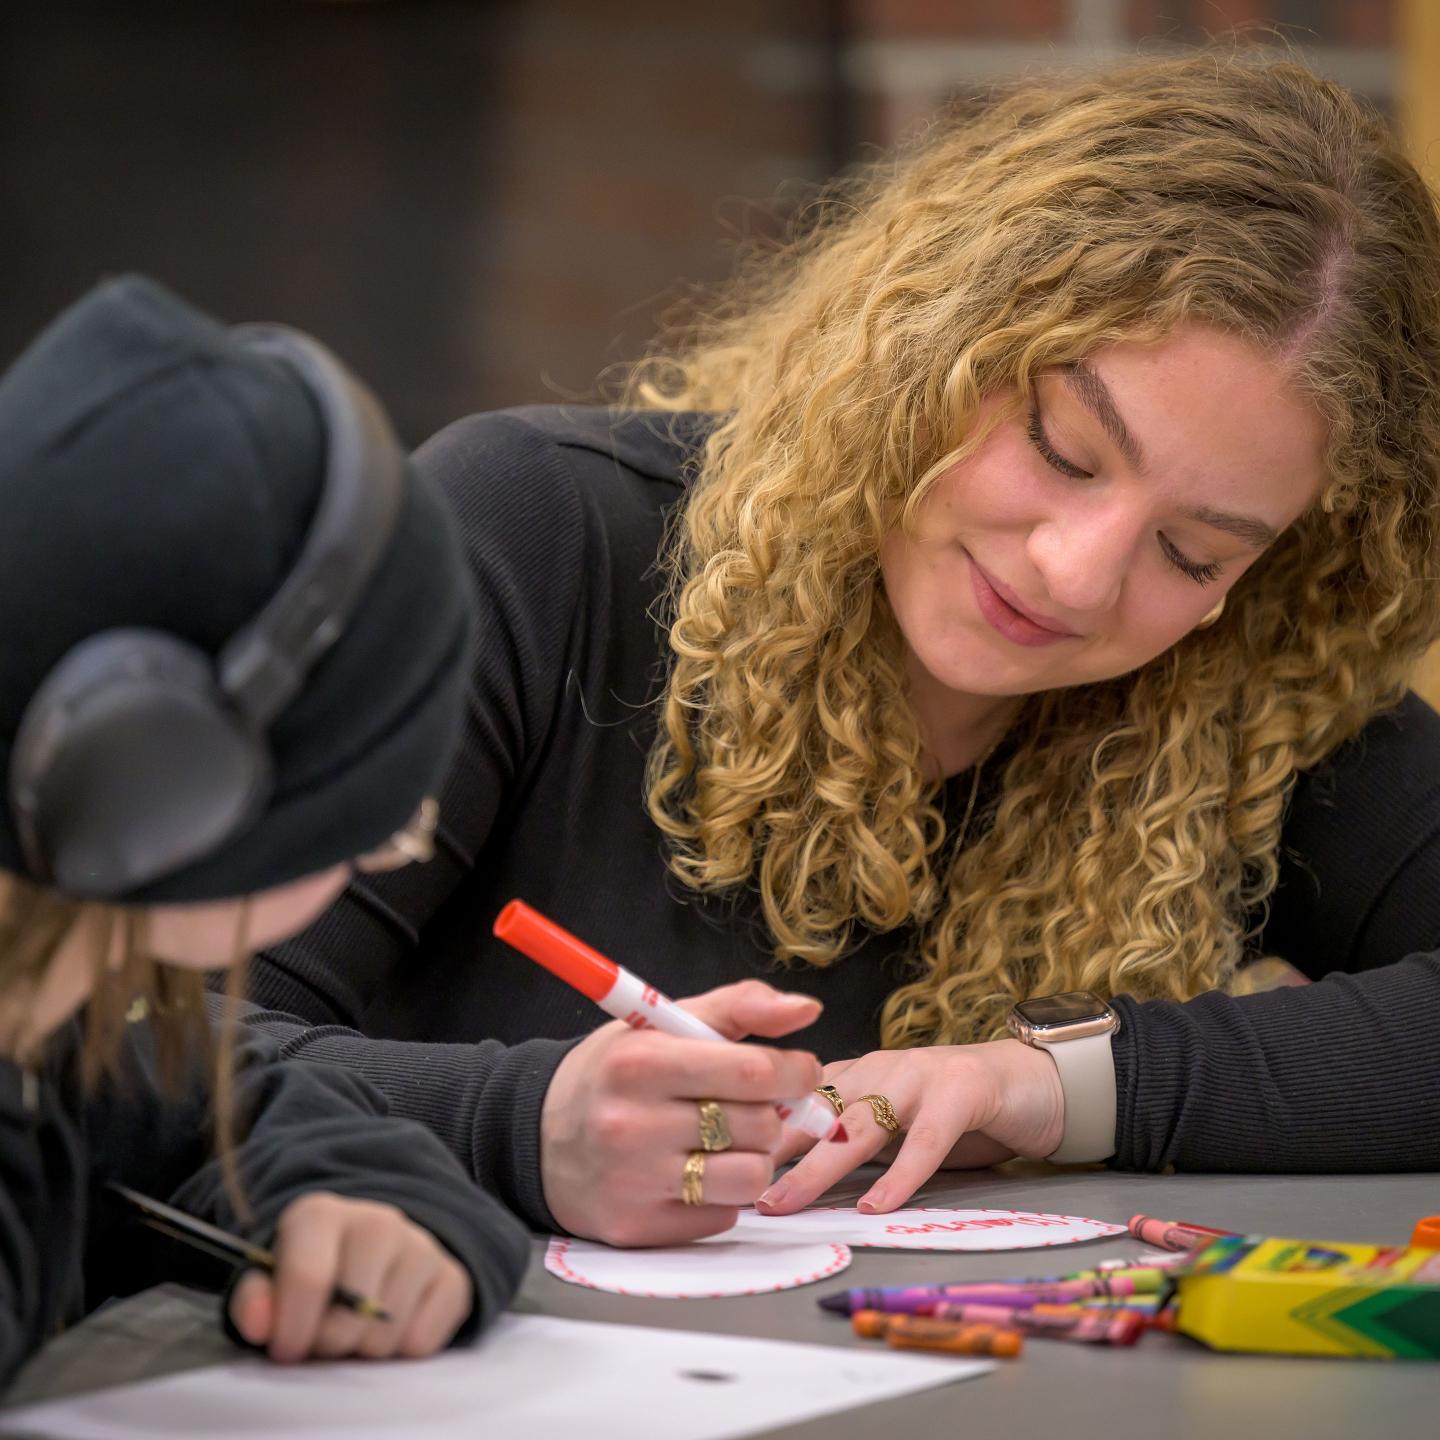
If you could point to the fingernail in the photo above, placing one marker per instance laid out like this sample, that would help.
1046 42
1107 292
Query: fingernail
774 1195
869 1204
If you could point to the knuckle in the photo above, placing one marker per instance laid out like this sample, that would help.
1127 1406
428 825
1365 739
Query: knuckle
339 1335
806 1068
611 1124
755 1070
419 1343
377 1343
316 1205
925 1138
769 1130
755 1173
626 1232
716 1221
632 1062
305 1272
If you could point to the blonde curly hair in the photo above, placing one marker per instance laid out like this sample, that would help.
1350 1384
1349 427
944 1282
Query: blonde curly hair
1137 820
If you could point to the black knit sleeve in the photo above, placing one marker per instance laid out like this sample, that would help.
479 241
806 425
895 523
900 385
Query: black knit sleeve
525 537
1341 1075
1359 882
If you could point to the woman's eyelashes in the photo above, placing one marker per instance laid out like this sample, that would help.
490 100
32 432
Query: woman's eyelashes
1202 573
1048 453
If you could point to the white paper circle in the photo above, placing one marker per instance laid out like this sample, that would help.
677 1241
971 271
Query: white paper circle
927 1228
728 1264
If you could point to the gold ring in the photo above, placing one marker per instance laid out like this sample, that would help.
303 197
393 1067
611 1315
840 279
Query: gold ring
830 1093
692 1178
882 1110
714 1132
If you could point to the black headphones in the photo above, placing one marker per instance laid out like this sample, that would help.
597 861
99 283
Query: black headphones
138 754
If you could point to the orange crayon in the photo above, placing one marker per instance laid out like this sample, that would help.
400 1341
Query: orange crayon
919 1332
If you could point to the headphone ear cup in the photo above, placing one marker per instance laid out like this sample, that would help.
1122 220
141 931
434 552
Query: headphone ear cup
129 764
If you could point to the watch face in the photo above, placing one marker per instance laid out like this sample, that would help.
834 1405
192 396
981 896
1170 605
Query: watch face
1063 1009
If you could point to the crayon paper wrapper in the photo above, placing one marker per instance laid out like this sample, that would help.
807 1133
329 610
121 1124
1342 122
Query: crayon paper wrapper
735 1263
931 1228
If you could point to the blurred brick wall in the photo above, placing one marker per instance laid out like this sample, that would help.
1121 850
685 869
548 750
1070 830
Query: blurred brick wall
908 55
483 204
477 204
632 157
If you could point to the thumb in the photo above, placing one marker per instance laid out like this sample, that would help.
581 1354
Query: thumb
252 1306
751 1007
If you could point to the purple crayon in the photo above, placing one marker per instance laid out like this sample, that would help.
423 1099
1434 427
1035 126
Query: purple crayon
922 1299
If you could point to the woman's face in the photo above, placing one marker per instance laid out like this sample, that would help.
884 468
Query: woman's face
1090 534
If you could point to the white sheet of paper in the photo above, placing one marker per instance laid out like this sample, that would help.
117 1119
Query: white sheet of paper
926 1228
735 1263
532 1378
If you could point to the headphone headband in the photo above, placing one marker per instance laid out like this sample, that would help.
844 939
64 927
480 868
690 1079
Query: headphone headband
263 666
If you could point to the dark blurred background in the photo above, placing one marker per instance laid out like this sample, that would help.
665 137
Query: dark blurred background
481 204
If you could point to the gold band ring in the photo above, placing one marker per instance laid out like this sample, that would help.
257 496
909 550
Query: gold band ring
692 1178
830 1093
714 1132
882 1110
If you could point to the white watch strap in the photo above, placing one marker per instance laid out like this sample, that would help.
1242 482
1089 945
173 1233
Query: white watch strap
1087 1078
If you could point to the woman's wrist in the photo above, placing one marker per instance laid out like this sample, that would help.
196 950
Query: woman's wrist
1031 1116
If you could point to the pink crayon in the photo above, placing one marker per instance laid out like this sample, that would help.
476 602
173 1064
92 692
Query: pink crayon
1090 1327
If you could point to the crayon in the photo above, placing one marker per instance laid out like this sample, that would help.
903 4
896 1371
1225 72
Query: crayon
1174 1234
1136 1304
918 1332
1095 1327
917 1299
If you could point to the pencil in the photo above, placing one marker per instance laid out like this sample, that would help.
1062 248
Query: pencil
202 1235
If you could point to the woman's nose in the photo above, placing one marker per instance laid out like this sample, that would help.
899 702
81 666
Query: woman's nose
1083 559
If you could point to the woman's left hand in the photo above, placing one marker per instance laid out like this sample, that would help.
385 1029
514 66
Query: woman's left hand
959 1106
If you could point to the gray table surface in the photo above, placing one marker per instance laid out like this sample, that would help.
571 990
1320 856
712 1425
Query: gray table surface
1167 1386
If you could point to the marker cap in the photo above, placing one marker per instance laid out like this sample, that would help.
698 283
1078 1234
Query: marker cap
1427 1233
555 948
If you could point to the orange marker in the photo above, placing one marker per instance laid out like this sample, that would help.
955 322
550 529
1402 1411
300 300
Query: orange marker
627 997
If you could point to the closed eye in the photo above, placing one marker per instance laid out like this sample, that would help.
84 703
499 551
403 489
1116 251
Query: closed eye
1052 457
1202 573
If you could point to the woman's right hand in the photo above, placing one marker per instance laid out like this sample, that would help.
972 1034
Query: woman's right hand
621 1116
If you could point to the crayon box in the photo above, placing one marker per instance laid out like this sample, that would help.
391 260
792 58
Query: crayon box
1305 1297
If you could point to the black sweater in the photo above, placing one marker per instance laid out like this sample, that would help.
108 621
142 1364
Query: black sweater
562 511
65 1244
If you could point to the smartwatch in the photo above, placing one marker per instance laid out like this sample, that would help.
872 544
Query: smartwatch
1074 1029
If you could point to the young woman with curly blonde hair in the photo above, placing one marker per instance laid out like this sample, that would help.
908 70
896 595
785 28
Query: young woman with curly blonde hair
1034 534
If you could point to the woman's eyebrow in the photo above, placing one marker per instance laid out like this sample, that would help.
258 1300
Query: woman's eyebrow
1243 527
1093 393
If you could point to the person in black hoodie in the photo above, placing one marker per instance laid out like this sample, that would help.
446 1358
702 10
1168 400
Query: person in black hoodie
235 628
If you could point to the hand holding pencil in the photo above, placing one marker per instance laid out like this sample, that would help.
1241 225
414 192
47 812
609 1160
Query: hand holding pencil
326 1243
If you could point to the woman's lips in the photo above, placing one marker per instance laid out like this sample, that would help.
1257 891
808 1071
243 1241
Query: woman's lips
1012 623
